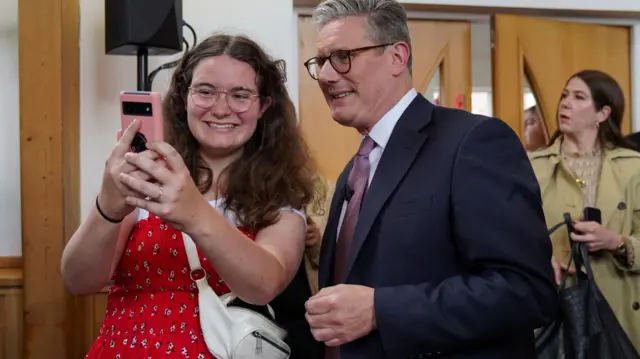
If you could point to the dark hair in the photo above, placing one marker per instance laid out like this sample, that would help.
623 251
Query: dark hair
605 91
275 169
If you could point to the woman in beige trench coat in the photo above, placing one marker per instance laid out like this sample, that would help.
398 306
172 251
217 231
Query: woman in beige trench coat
589 164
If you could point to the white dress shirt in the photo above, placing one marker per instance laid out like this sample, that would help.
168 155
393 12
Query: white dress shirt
380 134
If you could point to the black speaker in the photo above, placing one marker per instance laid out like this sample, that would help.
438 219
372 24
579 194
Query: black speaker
154 25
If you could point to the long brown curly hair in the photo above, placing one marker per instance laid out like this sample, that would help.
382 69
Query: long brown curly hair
275 169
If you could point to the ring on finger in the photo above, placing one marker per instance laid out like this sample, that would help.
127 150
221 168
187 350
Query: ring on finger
160 194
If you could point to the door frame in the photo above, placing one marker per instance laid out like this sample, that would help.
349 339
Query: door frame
482 15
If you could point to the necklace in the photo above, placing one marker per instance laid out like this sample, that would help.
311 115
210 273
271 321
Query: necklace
580 164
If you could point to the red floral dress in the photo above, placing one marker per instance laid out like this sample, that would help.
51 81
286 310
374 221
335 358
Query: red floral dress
152 308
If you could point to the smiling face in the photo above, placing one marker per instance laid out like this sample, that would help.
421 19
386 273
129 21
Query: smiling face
357 98
220 130
577 113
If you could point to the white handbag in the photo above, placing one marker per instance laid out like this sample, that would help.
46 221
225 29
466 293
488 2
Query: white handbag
233 332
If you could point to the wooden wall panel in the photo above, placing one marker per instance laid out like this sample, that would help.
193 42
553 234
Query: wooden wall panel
11 324
49 156
11 313
11 263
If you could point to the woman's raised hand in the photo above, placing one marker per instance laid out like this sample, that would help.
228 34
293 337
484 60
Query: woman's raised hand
112 191
171 193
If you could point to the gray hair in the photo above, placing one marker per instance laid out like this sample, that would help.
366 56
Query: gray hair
386 19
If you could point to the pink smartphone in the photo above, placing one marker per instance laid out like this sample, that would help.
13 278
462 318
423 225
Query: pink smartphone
146 107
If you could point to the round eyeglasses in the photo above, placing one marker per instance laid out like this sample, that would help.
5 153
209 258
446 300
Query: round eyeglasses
340 60
238 99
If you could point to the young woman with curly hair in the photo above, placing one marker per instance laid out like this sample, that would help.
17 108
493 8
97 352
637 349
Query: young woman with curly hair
234 174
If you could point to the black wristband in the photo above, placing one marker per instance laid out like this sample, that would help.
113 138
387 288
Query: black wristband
104 216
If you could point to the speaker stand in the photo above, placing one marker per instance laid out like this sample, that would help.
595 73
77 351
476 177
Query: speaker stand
143 65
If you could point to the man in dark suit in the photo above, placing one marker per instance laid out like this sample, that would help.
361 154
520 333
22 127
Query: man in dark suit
435 244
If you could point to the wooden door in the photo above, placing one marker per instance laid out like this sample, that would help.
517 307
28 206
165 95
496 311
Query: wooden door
441 71
541 54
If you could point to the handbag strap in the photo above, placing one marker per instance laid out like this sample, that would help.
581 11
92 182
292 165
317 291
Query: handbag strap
579 254
192 253
202 283
583 260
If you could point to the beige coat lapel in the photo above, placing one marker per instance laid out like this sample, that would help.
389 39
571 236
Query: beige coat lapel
609 192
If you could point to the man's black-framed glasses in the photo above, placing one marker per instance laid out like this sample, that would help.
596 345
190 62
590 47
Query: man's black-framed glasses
340 60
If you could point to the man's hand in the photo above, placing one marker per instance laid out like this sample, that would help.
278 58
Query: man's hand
341 314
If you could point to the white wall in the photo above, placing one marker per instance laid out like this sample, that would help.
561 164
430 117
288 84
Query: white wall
481 55
102 77
10 243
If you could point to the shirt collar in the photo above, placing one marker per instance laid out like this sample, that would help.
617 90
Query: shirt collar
381 131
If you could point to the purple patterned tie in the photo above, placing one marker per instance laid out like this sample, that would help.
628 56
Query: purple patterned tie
357 183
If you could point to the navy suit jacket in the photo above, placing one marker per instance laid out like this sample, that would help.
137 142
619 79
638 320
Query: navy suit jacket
452 237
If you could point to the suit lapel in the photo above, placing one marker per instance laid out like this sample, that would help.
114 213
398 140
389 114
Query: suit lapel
327 250
404 144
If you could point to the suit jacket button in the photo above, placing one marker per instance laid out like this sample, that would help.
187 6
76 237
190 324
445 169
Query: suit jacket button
622 206
635 306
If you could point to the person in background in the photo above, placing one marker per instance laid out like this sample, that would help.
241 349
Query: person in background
588 163
289 305
534 131
315 231
435 243
234 174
